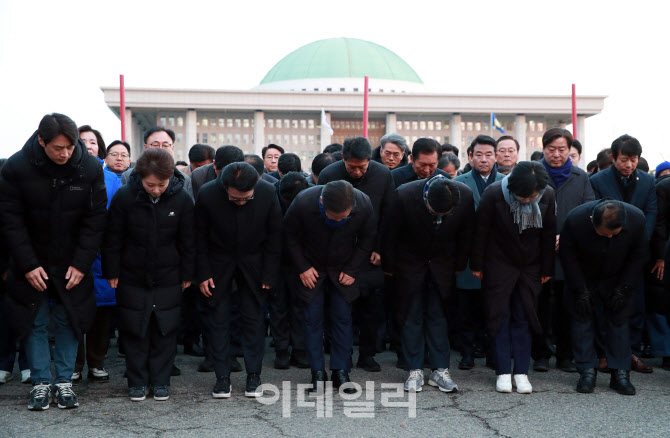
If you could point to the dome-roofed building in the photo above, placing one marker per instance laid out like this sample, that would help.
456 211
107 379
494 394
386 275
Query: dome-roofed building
339 64
327 75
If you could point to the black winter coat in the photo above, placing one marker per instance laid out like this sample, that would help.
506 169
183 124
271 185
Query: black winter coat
53 216
312 243
376 156
150 248
412 248
600 263
511 260
403 175
230 237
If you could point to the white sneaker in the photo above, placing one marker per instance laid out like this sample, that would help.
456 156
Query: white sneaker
98 374
504 383
523 386
415 381
25 376
5 376
76 376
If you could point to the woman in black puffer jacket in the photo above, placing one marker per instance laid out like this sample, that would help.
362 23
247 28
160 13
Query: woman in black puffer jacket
148 255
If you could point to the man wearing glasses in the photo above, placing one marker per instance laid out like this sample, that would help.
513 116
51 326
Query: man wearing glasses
238 238
118 158
163 138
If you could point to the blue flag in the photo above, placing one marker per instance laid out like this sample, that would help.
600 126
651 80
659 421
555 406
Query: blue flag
496 123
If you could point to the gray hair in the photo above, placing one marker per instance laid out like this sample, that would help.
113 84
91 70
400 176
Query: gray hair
394 138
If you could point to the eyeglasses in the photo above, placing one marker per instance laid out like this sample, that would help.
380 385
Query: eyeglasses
117 155
242 200
165 145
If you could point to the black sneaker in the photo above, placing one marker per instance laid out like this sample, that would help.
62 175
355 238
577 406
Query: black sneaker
161 393
222 389
253 386
65 397
40 397
138 393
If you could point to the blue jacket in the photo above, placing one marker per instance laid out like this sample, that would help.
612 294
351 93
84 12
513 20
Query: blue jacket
105 295
605 186
465 280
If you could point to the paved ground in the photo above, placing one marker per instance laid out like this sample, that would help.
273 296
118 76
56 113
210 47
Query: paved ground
553 410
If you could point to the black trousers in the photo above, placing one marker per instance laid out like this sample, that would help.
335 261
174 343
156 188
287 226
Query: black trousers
286 316
94 348
369 310
149 359
555 320
637 319
615 338
219 331
191 325
471 319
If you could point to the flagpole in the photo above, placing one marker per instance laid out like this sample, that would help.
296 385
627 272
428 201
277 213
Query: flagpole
122 91
491 125
574 112
365 109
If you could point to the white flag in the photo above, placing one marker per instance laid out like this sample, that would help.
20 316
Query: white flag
324 121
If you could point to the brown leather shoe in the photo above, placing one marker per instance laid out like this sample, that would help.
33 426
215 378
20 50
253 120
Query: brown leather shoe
636 364
602 365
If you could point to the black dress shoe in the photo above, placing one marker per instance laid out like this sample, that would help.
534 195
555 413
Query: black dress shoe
282 360
318 376
299 359
587 381
620 382
341 378
194 350
467 362
566 365
235 366
541 365
175 371
206 367
369 364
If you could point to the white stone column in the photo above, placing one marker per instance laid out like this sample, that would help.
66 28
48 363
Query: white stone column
455 136
391 119
129 128
581 129
520 135
259 132
325 133
191 128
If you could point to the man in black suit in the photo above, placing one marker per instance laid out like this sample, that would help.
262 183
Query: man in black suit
330 233
604 247
426 153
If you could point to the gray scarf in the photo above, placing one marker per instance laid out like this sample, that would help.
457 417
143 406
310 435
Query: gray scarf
525 215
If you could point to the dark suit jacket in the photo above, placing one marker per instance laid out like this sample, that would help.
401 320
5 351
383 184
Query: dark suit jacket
405 174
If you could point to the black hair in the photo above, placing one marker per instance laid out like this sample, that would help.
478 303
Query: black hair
592 166
527 177
102 149
643 165
157 162
256 162
482 139
626 145
289 162
338 196
240 176
117 142
291 184
226 155
610 213
449 148
55 124
156 129
271 146
322 161
201 152
337 155
181 163
536 156
554 133
358 148
447 158
425 145
333 147
507 137
603 158
577 145
443 195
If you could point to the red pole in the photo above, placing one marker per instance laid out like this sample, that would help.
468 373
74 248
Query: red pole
574 112
365 109
122 90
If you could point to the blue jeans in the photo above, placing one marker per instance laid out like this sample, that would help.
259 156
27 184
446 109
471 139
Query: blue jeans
513 339
37 345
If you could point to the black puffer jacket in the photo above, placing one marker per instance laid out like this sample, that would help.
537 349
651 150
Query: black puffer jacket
52 216
150 248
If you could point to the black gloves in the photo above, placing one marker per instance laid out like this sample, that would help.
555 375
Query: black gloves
583 304
618 297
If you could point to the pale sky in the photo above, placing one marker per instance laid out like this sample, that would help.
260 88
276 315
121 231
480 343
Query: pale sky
55 56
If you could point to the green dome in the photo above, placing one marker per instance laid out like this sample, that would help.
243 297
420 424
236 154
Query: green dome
341 58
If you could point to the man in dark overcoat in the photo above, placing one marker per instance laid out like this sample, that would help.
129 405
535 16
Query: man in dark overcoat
426 153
